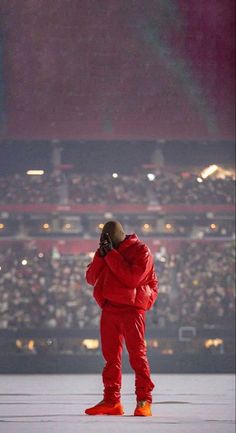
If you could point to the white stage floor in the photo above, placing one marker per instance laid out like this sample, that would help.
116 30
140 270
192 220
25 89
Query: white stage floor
56 403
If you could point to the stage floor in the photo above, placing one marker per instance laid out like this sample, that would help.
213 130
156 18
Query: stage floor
56 404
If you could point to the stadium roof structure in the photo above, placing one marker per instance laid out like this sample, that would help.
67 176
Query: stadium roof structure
118 69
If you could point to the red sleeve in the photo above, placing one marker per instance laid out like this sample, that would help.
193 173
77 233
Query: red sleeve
130 274
94 269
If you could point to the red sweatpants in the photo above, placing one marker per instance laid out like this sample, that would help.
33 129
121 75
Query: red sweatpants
128 324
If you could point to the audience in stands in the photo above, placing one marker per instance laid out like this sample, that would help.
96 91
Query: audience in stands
166 188
40 291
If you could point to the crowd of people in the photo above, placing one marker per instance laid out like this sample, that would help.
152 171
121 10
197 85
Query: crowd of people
202 290
25 189
44 292
162 188
41 290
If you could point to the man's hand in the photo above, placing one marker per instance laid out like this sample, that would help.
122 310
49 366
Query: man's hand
105 244
101 250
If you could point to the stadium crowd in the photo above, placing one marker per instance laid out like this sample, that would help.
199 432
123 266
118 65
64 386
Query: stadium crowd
44 291
205 280
163 188
24 189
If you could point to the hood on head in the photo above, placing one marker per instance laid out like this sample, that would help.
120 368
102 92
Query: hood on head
115 231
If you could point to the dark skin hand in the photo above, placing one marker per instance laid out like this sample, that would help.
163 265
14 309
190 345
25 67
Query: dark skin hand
105 244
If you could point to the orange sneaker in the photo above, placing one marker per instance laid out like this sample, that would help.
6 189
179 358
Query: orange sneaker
103 408
143 408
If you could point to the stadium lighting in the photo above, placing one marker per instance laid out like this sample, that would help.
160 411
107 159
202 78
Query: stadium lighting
67 226
2 226
40 255
199 179
35 172
100 226
31 345
24 262
213 226
208 171
90 343
46 226
213 342
146 226
151 177
115 175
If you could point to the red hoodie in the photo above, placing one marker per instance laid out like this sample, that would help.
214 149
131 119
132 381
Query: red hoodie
125 275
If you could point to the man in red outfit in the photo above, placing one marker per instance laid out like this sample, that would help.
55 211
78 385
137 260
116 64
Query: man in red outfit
125 286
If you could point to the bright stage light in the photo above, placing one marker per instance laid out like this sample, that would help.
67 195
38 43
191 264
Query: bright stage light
213 226
90 343
31 345
146 226
46 226
208 171
35 172
151 176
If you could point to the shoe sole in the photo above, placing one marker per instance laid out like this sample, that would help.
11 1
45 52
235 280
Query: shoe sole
142 415
109 414
106 413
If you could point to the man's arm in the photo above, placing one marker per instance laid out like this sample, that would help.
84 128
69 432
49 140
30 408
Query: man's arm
130 274
94 268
